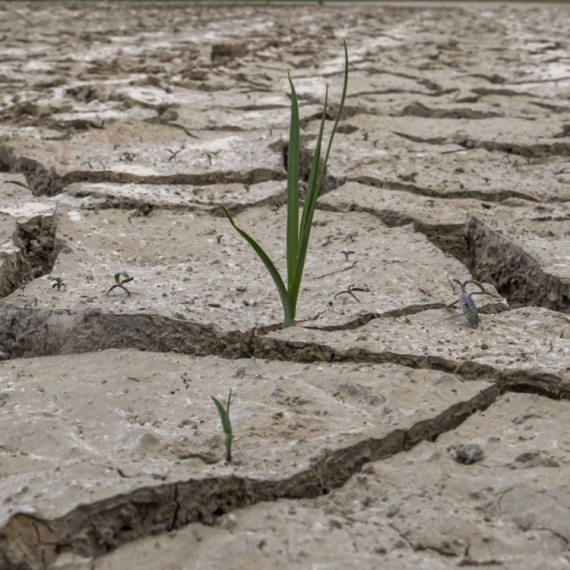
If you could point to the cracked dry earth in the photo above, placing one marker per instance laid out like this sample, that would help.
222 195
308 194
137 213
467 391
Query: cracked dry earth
381 432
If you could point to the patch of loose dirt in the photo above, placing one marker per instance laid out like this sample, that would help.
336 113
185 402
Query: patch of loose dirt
381 431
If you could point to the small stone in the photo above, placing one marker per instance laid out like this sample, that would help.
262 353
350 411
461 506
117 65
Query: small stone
469 453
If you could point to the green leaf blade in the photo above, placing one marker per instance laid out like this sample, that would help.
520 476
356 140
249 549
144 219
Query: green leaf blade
228 413
224 419
309 206
288 314
313 189
119 275
293 158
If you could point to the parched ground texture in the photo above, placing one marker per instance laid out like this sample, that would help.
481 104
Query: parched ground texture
381 431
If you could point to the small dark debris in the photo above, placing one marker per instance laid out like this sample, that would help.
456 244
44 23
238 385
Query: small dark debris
534 459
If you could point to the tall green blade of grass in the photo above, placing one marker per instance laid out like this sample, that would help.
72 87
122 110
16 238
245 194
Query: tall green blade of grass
298 235
293 191
313 190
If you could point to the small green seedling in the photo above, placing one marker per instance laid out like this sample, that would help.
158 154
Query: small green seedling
57 282
226 424
121 283
90 164
350 291
209 155
173 154
466 302
298 235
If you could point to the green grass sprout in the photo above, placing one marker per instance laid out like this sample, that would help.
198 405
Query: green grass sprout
121 283
57 282
298 235
350 291
226 424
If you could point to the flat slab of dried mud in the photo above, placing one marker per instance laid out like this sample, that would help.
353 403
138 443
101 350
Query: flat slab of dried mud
381 430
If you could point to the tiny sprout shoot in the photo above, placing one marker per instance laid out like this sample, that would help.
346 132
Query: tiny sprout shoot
90 164
174 154
121 283
350 291
298 230
466 302
209 155
226 424
57 282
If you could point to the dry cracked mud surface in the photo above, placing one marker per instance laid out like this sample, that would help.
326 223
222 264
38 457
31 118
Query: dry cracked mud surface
379 432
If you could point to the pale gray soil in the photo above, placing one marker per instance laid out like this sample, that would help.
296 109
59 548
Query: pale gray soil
381 431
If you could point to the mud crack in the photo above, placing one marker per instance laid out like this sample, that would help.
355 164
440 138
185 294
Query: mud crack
41 332
496 196
450 238
33 255
538 150
92 530
364 319
528 381
41 180
517 275
44 182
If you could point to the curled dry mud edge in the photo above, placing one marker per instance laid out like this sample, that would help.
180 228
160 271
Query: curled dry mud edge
515 274
36 250
42 181
538 150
